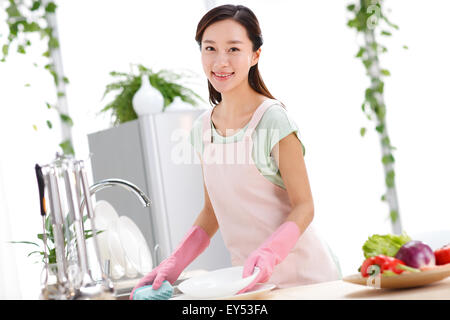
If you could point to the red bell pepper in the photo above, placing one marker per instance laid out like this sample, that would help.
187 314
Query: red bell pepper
388 265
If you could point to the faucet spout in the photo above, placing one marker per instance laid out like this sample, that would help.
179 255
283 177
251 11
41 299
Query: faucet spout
106 183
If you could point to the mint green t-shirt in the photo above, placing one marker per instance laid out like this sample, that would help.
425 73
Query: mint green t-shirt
274 125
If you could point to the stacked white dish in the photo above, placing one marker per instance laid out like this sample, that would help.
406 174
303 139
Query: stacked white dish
122 243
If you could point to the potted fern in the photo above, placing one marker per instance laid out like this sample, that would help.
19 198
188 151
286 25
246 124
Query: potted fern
127 84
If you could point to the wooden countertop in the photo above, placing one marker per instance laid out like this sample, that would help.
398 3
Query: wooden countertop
341 290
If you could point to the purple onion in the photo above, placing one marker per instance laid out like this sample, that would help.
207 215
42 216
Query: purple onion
416 254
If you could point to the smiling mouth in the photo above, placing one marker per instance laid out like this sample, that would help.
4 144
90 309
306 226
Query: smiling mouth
222 76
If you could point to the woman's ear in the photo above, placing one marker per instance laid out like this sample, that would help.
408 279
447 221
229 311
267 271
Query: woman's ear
255 57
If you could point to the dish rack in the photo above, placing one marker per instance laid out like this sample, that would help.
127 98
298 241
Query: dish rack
78 273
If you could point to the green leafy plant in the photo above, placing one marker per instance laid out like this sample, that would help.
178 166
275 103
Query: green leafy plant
127 85
369 20
51 240
25 21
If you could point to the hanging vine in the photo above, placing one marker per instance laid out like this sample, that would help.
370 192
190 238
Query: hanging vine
25 19
369 20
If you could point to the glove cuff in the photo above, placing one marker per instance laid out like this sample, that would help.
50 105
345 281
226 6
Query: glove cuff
191 246
282 240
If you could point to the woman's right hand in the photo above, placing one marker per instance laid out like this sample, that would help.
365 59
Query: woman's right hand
193 243
165 271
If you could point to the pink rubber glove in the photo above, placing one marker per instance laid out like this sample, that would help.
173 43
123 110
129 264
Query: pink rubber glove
274 250
192 245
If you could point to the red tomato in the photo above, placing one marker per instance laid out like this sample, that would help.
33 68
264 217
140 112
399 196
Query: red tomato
442 255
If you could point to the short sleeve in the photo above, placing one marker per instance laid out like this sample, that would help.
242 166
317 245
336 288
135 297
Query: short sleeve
279 124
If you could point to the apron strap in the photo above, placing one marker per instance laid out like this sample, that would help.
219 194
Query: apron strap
207 130
257 115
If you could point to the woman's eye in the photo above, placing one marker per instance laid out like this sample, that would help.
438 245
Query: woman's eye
206 49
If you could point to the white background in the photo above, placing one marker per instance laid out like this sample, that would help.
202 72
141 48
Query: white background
307 62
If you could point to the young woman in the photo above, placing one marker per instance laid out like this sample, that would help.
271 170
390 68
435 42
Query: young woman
255 180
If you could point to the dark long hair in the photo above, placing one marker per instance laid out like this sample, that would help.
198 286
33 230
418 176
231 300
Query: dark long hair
247 19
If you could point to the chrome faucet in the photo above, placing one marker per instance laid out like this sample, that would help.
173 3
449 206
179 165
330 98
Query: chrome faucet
118 182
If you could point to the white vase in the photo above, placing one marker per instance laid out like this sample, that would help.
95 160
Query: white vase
178 105
147 99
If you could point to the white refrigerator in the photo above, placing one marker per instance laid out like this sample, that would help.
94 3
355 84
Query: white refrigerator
154 153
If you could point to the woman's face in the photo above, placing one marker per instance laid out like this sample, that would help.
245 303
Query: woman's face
227 51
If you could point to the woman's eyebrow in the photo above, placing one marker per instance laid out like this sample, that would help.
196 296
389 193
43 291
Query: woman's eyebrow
231 41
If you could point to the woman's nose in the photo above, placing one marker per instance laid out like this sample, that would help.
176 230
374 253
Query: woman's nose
221 59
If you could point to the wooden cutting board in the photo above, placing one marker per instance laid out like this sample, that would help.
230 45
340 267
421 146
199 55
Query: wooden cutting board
404 280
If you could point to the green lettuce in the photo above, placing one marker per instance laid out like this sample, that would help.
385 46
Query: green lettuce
387 245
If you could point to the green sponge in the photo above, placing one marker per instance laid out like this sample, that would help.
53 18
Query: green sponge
147 293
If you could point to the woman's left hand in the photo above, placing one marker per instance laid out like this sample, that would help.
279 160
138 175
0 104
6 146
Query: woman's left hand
264 260
270 253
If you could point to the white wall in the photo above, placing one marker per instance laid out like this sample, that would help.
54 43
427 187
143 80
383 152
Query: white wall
307 62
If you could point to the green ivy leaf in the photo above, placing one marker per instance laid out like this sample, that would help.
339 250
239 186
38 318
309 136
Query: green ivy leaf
360 52
49 124
390 23
5 49
53 43
55 78
21 49
367 63
380 87
12 10
50 7
362 132
385 72
386 33
380 128
31 27
390 178
388 159
380 111
393 215
36 5
67 147
66 119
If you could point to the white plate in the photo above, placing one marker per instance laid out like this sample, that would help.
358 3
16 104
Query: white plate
105 216
259 289
118 263
104 212
135 246
218 283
